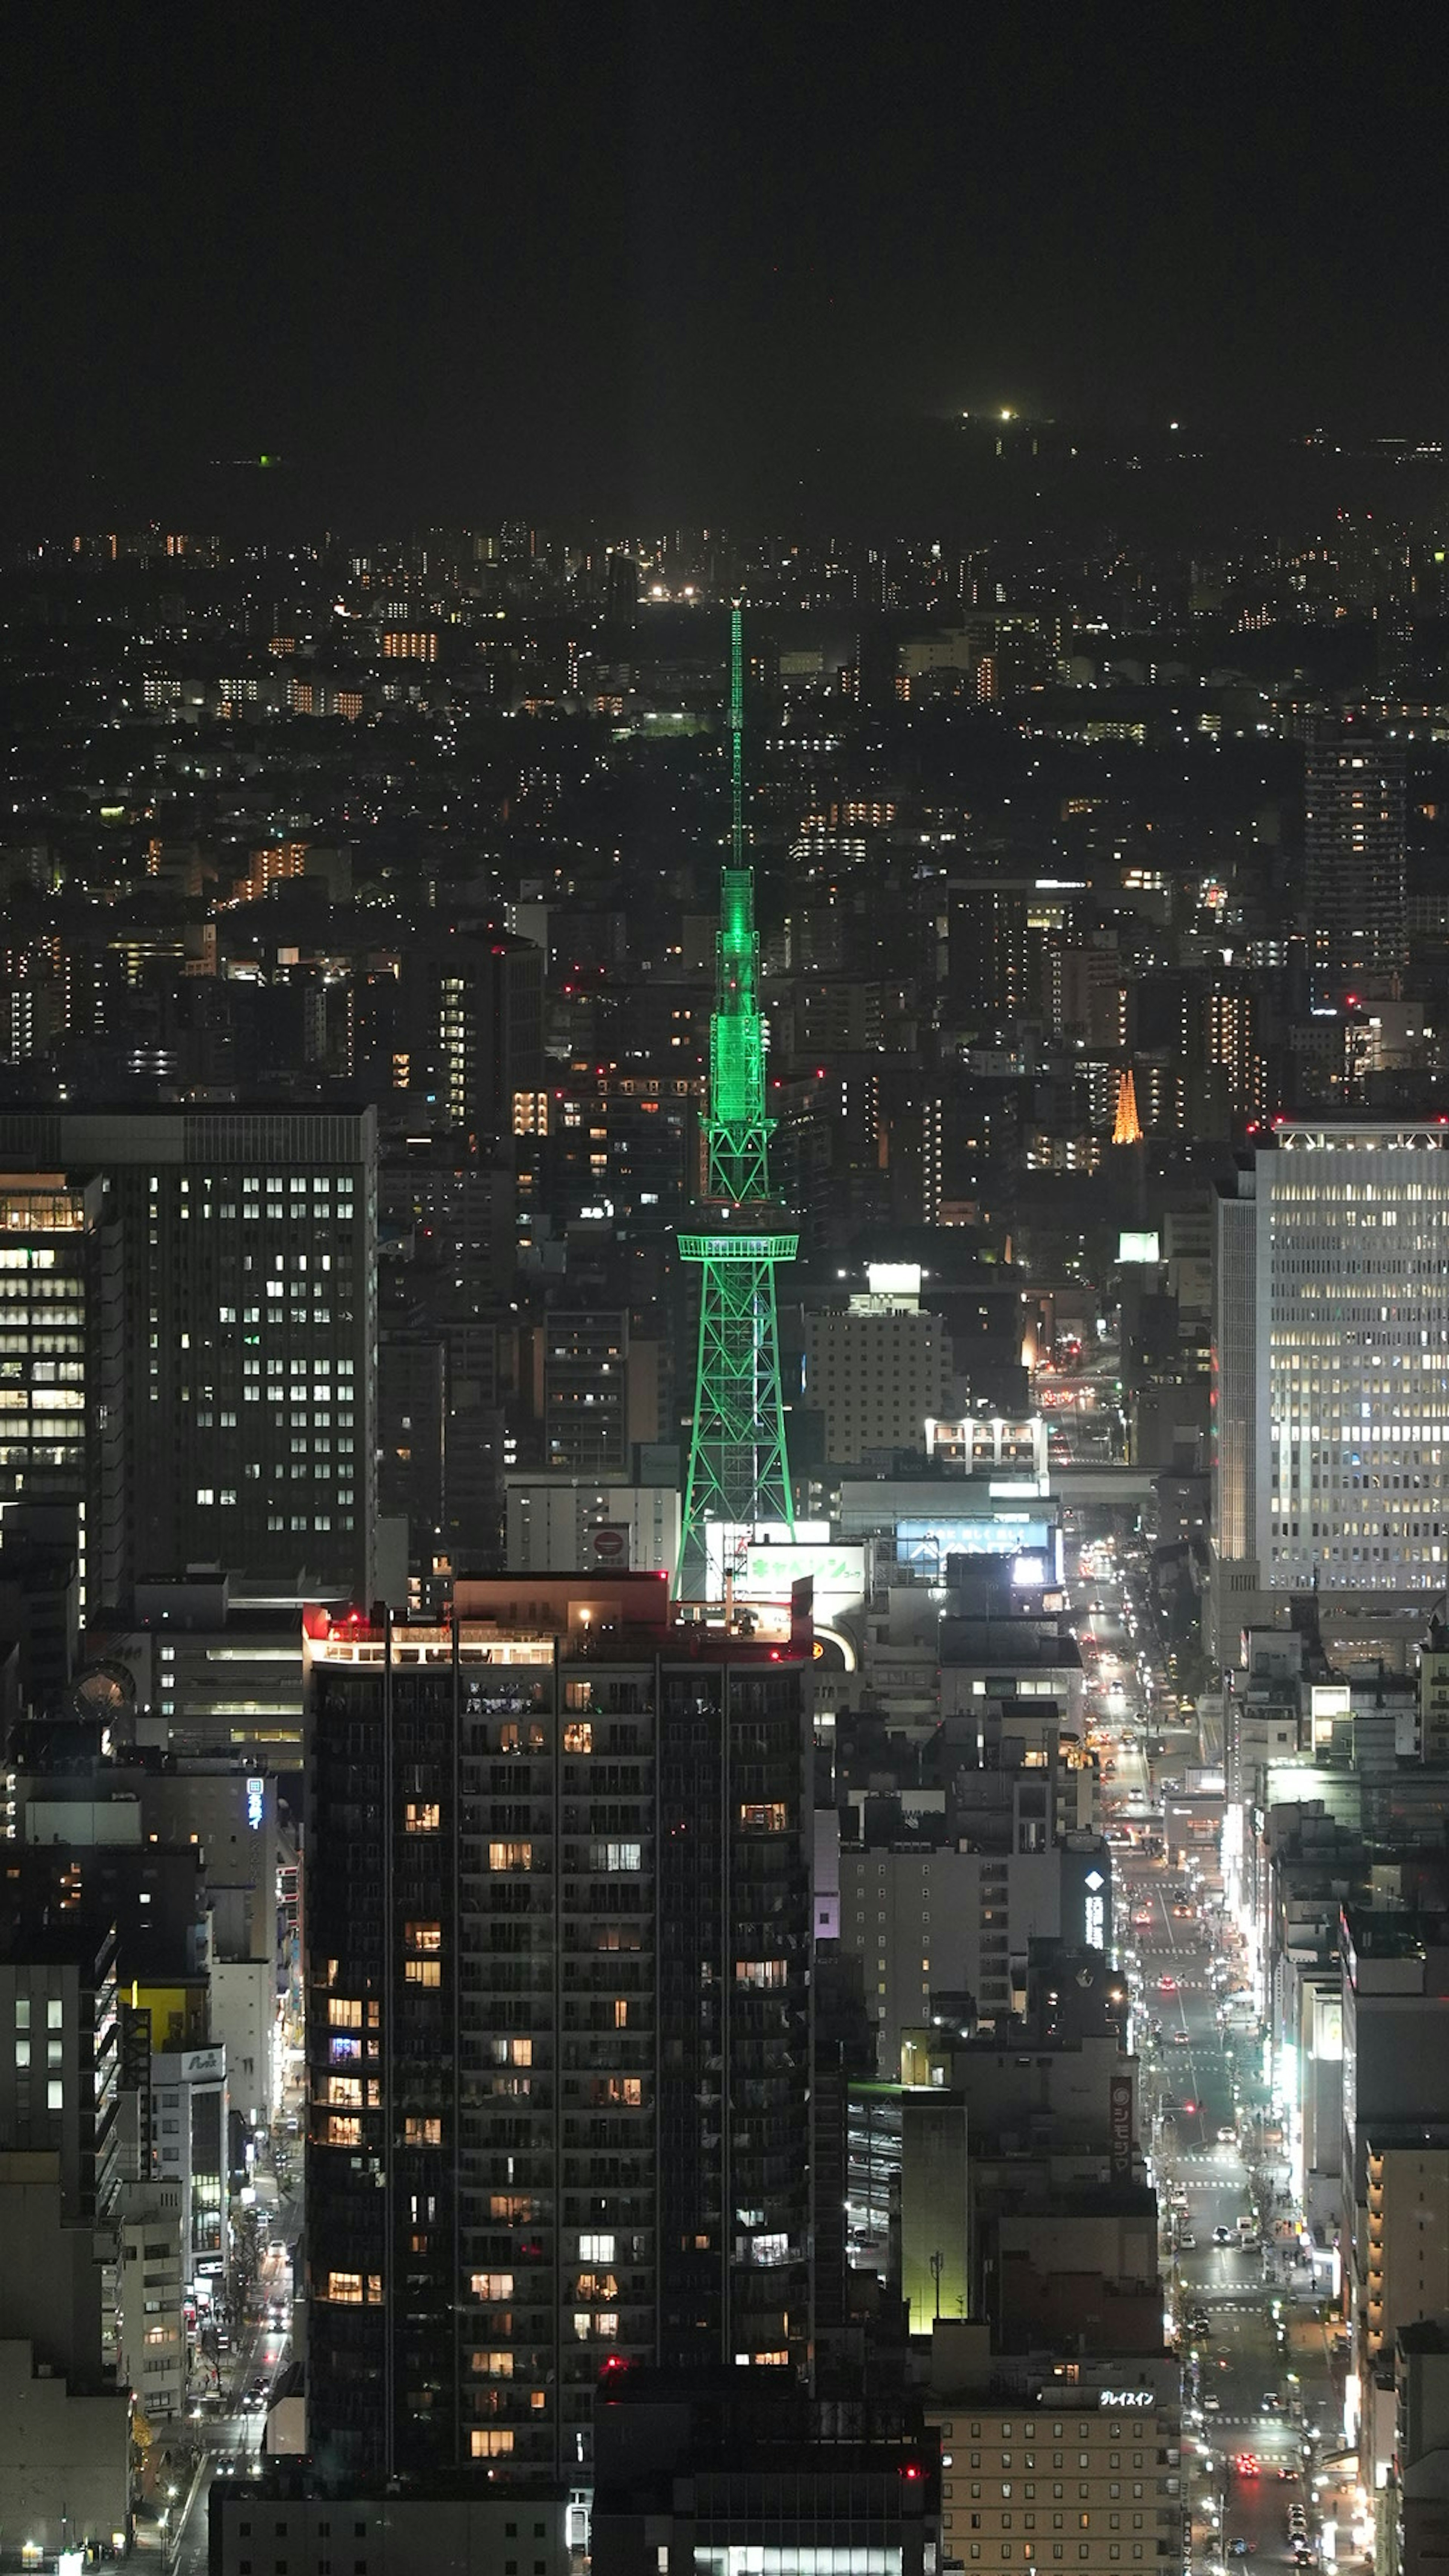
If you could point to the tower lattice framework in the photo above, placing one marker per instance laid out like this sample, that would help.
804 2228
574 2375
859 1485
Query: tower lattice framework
739 1470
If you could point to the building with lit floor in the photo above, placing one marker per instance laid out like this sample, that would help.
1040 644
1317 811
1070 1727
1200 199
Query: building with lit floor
558 1953
1078 2463
1331 1376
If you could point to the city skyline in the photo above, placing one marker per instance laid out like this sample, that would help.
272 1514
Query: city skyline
724 1296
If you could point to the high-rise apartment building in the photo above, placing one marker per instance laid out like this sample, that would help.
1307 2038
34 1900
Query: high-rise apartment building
246 1386
59 2054
1331 1368
474 1027
1354 861
61 1352
595 1390
558 1966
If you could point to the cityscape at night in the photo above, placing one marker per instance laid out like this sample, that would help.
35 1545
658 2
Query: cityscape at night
724 1297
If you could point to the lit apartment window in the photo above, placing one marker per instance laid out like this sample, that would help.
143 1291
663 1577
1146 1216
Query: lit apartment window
344 2289
422 1939
766 1818
491 2285
422 2131
343 2013
489 2442
422 1816
578 1737
612 1858
510 1856
597 2285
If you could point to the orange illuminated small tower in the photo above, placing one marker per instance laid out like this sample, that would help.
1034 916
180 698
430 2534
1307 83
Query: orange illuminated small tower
1126 1126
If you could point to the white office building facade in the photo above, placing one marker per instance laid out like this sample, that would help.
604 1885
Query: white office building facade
1331 1368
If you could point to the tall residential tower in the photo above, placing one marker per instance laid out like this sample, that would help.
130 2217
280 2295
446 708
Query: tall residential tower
1354 832
558 1929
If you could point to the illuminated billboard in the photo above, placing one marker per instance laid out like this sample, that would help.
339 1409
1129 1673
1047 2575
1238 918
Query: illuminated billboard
894 1278
1139 1247
837 1572
930 1542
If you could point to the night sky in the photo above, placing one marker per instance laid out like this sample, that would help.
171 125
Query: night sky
689 262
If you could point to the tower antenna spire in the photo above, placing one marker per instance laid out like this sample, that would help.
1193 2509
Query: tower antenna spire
739 1473
737 737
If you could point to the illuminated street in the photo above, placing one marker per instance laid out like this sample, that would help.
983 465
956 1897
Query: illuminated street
1248 2330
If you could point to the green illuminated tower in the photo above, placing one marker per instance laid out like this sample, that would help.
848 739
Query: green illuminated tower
738 1470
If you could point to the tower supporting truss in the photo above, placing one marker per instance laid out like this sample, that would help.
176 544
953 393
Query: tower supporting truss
739 1470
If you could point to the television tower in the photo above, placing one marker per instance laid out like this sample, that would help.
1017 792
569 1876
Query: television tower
739 1473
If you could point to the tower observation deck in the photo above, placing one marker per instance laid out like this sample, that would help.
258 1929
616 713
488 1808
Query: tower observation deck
739 1473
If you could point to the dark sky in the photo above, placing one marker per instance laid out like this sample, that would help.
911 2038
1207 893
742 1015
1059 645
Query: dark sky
687 260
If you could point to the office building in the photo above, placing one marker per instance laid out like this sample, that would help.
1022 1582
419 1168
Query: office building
205 1671
950 1918
1330 1339
284 2522
248 1249
149 2285
1354 834
558 2052
877 1373
189 2149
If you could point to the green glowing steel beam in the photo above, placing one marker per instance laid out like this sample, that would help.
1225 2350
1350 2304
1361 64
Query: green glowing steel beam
738 1464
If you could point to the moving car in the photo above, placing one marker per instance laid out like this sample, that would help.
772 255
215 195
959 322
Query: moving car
1227 2135
1222 2235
